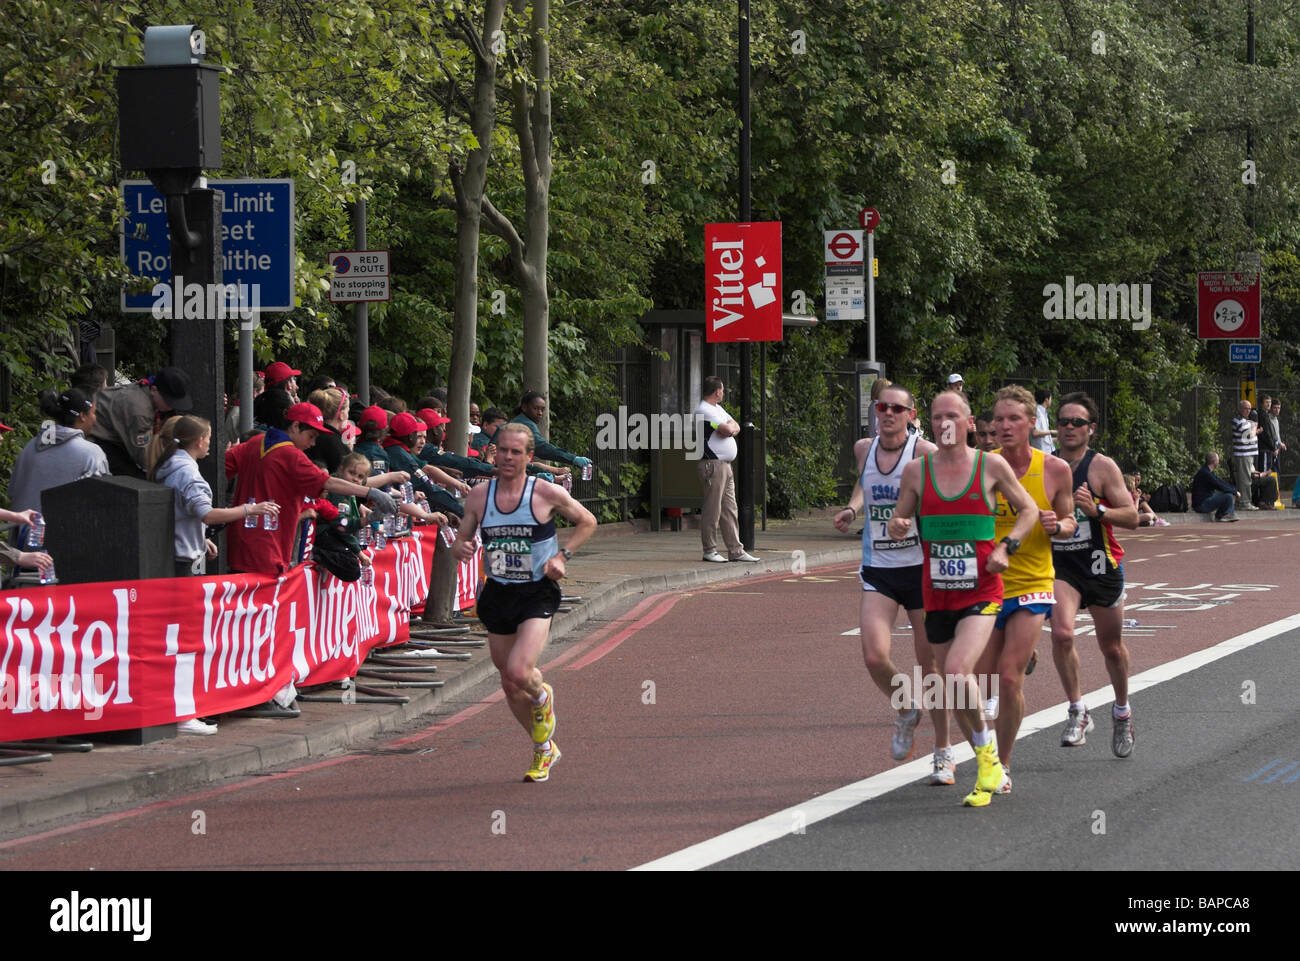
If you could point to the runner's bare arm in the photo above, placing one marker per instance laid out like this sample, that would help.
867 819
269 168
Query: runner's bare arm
1059 521
842 520
1005 483
561 502
1122 512
900 522
462 547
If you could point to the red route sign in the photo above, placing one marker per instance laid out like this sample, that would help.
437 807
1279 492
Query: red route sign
742 282
1227 306
869 218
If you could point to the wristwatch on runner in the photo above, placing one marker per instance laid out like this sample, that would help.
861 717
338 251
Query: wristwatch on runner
1013 545
568 554
1101 511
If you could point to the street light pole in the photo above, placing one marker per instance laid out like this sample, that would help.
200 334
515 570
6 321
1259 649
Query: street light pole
745 482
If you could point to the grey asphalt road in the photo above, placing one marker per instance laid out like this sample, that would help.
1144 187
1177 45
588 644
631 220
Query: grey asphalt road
1213 785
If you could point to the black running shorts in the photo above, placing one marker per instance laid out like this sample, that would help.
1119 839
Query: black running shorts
503 607
1100 590
899 584
941 626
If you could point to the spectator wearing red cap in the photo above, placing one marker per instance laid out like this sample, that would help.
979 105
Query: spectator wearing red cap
273 467
402 434
435 455
129 416
281 375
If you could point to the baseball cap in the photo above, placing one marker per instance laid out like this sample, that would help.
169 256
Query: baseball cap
955 379
280 371
372 418
432 417
174 385
404 424
306 414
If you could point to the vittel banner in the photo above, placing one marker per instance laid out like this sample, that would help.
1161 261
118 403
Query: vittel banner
742 282
128 654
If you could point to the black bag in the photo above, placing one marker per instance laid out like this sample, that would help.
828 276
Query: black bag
335 550
1263 491
1169 499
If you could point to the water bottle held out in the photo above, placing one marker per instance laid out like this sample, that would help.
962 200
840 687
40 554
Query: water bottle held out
36 533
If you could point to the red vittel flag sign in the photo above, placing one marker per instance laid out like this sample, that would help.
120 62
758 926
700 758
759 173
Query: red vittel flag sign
742 282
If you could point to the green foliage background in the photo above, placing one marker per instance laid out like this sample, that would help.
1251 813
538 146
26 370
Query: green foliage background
1099 140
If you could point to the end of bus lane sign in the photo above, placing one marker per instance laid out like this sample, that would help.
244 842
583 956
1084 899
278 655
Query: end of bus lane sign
359 275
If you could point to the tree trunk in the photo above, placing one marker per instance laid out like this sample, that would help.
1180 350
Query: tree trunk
469 184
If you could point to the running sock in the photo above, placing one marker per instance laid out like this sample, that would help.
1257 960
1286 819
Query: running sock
541 698
1078 706
1121 711
982 737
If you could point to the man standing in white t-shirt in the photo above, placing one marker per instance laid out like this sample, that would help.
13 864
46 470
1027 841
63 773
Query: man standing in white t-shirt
720 430
1042 436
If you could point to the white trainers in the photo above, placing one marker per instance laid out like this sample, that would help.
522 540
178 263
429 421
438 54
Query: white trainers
991 708
900 745
714 557
746 557
945 769
195 726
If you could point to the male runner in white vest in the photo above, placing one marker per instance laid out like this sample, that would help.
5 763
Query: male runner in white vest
891 573
524 564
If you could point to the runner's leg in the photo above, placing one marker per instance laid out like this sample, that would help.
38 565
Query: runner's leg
1020 635
926 656
1063 650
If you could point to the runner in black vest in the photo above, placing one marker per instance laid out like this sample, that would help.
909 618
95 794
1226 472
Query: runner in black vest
1089 573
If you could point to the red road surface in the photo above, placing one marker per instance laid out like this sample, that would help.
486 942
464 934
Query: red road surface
694 714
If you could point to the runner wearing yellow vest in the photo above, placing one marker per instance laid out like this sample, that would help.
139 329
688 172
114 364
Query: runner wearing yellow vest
1027 584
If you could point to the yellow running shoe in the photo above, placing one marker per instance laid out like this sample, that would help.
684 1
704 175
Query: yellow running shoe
977 799
544 718
542 761
990 768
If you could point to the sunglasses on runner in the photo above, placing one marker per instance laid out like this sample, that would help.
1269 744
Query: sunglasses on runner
1074 421
882 407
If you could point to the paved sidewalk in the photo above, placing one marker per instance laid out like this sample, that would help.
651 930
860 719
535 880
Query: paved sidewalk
611 572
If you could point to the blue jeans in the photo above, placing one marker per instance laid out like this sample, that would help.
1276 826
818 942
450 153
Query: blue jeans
1221 502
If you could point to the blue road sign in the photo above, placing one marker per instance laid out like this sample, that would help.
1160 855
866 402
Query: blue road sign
1245 353
257 239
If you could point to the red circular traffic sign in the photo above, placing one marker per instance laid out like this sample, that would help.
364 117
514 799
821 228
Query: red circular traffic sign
844 246
869 218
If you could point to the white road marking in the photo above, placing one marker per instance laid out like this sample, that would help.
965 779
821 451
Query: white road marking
776 826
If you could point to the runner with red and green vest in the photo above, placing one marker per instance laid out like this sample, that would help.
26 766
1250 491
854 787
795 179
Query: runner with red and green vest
961 578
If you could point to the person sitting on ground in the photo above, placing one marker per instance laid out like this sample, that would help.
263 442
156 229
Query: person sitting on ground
1211 493
1146 516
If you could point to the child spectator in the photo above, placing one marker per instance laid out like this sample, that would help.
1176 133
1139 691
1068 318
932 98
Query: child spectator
174 456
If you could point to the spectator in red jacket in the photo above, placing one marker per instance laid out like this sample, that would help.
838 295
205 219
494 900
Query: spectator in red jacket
273 467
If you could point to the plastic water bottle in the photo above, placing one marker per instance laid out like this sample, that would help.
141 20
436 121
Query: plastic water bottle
36 533
251 519
390 525
270 522
367 575
1130 622
380 539
363 537
588 471
408 493
568 481
47 577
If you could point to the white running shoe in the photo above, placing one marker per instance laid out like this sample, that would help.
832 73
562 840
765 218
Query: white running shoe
195 726
991 708
945 768
900 745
